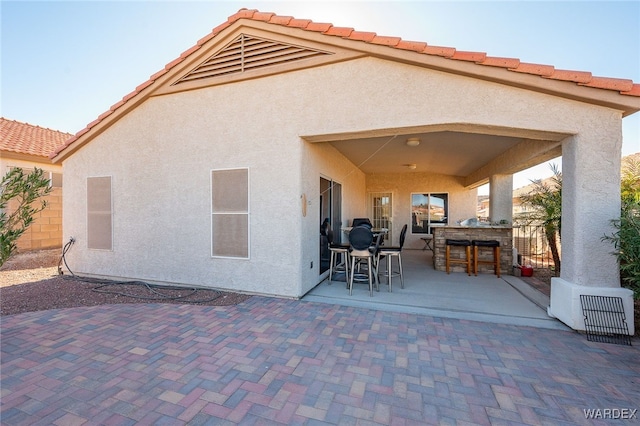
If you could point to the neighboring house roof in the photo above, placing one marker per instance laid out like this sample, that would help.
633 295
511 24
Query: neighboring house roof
631 157
523 190
549 181
624 88
27 139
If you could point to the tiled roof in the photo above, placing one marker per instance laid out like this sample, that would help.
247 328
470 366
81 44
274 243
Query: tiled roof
24 138
622 86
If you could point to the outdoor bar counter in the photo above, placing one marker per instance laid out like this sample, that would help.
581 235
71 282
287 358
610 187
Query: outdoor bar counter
503 234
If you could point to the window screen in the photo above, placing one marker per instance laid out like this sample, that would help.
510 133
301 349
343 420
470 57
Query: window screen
230 213
99 213
56 180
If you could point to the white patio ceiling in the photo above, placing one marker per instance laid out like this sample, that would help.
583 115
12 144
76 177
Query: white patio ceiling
473 155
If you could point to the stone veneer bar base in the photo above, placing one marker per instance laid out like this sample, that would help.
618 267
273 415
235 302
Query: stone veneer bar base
501 233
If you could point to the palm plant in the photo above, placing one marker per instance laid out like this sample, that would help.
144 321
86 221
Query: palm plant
545 203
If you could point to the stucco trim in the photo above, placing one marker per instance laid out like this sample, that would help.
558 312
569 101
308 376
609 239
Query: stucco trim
482 129
26 157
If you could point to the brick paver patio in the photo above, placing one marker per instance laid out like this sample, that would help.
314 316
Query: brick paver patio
273 361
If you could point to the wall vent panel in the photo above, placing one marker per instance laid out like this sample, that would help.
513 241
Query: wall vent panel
247 53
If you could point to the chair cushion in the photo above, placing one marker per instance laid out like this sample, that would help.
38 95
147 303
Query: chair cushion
458 242
337 246
390 249
360 238
485 243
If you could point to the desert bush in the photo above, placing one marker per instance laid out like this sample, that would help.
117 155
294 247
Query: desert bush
25 190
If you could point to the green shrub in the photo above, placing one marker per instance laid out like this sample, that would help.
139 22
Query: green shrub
25 189
626 241
626 238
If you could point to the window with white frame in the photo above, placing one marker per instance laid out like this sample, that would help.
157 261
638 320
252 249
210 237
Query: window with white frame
99 213
380 212
428 210
230 213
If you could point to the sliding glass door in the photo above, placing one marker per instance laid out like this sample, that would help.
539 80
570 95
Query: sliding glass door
331 211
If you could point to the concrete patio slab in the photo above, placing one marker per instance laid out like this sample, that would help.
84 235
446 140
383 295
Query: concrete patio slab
505 300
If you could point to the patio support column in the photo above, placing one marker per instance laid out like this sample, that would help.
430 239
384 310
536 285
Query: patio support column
501 198
590 200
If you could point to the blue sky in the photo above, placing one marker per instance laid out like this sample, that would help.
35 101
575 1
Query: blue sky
65 63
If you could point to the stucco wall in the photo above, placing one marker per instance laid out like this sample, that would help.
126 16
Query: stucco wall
462 202
324 160
161 154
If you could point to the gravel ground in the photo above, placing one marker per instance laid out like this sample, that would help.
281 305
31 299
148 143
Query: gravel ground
30 282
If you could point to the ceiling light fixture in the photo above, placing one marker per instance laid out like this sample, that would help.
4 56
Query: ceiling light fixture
413 141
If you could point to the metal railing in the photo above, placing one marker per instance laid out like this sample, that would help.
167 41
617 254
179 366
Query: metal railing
533 248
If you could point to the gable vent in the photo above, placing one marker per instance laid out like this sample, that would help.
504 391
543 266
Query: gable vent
248 53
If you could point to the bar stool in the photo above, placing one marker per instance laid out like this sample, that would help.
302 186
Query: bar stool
389 252
337 249
495 245
361 250
458 243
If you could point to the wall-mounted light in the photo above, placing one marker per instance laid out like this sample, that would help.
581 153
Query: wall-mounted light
411 166
413 141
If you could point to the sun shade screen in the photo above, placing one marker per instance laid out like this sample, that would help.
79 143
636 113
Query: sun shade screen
99 214
230 213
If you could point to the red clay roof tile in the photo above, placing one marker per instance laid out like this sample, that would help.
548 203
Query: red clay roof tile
386 41
262 16
129 96
212 34
117 105
619 84
568 75
144 85
362 36
469 56
339 31
319 27
159 74
447 52
189 51
105 114
635 91
93 123
416 46
500 62
537 69
242 13
173 63
281 20
24 138
480 58
299 23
